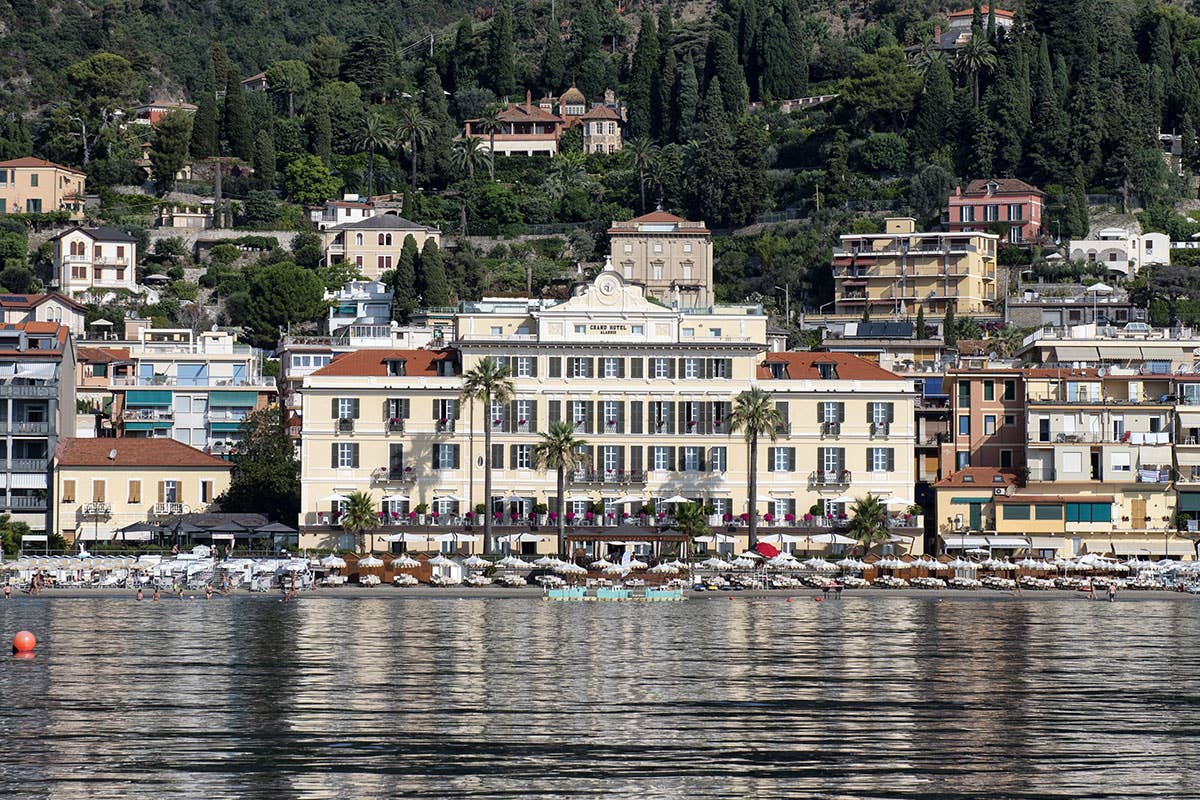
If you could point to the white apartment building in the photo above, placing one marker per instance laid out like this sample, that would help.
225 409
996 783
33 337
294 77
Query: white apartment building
92 262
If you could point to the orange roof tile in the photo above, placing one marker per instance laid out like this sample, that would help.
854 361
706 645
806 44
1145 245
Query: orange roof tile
134 452
803 366
30 161
101 355
979 478
374 362
1003 186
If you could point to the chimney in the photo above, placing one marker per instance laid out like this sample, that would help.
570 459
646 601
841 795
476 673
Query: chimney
528 99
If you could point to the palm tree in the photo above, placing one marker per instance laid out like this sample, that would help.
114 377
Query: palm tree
1007 340
690 519
870 522
755 415
567 171
642 153
975 58
466 154
559 450
374 135
488 382
415 128
490 124
923 58
360 516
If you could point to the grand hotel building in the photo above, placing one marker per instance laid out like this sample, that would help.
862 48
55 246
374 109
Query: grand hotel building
648 388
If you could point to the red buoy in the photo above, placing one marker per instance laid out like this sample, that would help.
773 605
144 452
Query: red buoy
24 642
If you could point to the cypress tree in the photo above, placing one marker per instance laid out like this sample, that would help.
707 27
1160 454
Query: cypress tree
1049 137
404 290
643 79
237 129
1076 212
781 76
320 128
554 62
932 122
949 334
205 121
665 91
1086 125
264 159
435 289
711 116
501 60
1187 135
723 63
919 331
976 16
586 34
686 101
837 167
991 23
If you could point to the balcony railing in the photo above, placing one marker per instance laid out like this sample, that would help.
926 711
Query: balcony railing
167 509
27 503
27 390
1041 473
609 476
345 425
95 510
836 477
831 429
31 427
29 464
171 380
395 425
444 425
880 429
393 475
147 414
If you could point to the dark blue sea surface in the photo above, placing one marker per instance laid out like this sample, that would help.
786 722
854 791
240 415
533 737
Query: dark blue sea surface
870 696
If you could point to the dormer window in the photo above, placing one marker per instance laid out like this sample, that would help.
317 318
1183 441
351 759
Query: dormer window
968 478
827 371
997 479
992 186
395 367
778 370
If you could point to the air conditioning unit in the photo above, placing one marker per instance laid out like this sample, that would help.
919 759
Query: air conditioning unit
1000 491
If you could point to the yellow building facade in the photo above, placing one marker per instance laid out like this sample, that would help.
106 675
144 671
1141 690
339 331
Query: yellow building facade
648 389
901 270
36 186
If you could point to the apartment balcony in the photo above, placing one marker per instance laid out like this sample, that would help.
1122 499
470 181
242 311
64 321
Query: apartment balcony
27 503
122 381
1060 400
836 477
444 425
94 511
345 425
1042 474
831 429
336 249
880 430
406 475
167 509
29 464
30 428
395 425
147 415
1161 475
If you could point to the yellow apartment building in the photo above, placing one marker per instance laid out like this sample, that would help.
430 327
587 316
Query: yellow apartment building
36 186
649 391
374 244
104 485
900 270
671 256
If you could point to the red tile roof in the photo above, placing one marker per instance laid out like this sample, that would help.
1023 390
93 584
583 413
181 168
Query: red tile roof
978 187
30 161
803 366
374 362
134 452
658 217
530 113
980 478
101 355
61 332
35 300
602 112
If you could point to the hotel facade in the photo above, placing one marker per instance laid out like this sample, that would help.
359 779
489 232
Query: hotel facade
648 389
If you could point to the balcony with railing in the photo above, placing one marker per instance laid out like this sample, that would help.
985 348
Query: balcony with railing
94 511
147 415
167 509
615 477
30 428
395 425
395 474
39 390
29 464
833 429
345 425
1039 473
27 502
880 430
833 477
444 425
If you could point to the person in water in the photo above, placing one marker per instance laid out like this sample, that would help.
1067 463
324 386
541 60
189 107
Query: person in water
155 597
139 594
7 592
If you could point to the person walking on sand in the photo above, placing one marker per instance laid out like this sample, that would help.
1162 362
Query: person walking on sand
207 592
1112 592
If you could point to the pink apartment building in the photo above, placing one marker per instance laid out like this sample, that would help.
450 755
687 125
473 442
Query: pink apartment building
998 200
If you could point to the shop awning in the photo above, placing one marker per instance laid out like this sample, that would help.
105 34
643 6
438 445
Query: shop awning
1075 353
1189 419
143 425
1047 542
33 537
148 397
966 500
1099 546
1153 547
1007 542
226 427
1189 501
234 399
88 534
964 542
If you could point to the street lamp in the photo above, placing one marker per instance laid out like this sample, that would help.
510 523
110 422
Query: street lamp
787 300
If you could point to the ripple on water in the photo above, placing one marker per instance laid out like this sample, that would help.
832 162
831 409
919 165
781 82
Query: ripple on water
872 696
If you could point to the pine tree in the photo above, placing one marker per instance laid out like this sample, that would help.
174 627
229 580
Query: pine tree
431 278
642 81
686 100
320 129
711 116
264 160
205 121
404 289
554 61
218 58
237 132
501 58
932 122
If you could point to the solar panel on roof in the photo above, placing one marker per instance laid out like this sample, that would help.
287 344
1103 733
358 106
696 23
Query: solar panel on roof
12 298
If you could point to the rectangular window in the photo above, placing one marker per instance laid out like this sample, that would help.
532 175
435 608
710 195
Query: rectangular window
612 367
1089 512
991 213
98 491
347 408
524 366
33 179
170 492
964 425
718 459
206 492
1006 458
662 367
964 394
523 457
691 459
347 455
662 458
989 424
1010 419
881 459
135 491
1048 512
445 456
581 367
1016 511
1014 212
691 368
989 390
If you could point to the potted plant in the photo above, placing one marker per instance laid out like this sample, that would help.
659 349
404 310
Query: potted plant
570 516
808 518
470 518
789 518
648 510
480 509
768 518
745 517
540 510
421 510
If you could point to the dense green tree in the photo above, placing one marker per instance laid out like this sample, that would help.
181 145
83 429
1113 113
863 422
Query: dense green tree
404 288
325 59
266 473
307 249
976 59
554 62
205 122
169 154
320 129
307 180
289 78
368 63
1075 217
376 134
282 294
664 94
881 88
837 168
929 190
785 65
686 101
431 276
722 64
586 34
1049 140
932 123
264 159
414 127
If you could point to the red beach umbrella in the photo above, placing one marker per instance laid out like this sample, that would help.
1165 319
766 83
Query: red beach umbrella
766 550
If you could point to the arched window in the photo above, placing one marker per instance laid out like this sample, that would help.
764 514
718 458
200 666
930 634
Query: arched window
389 240
358 239
381 238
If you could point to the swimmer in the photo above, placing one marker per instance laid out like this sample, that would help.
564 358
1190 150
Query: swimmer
208 593
139 594
155 597
7 592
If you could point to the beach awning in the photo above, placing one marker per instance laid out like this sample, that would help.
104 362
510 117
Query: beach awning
33 537
1047 542
963 542
1153 547
516 538
1007 542
969 500
722 538
1075 353
1099 546
87 533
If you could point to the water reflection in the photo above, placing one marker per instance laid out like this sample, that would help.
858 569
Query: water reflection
867 696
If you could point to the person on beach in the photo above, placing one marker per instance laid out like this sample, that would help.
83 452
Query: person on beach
207 592
825 589
155 596
1112 592
837 589
139 594
7 592
1091 594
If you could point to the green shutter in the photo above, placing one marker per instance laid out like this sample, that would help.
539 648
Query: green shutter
143 397
235 399
1016 511
1048 511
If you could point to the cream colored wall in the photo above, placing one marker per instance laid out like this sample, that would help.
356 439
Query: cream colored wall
124 511
371 250
54 186
109 263
632 256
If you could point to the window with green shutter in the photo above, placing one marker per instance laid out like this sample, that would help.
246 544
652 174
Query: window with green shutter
1048 512
1016 511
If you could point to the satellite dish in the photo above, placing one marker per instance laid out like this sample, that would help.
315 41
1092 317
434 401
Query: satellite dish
1101 372
112 454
